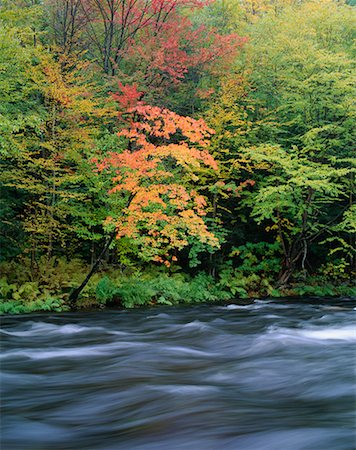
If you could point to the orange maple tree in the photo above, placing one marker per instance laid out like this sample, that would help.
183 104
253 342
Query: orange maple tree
156 172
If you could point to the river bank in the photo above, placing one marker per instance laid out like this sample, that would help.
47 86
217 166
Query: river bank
50 291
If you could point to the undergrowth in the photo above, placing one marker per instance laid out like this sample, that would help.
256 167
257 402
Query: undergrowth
47 288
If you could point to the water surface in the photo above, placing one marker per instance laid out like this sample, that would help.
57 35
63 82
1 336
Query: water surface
272 375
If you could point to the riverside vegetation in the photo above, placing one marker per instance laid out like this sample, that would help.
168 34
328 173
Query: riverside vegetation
175 151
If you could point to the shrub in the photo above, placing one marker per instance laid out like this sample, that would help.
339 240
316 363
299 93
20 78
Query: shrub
23 306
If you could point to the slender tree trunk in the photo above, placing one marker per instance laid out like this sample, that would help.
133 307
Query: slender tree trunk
212 268
75 294
351 235
52 185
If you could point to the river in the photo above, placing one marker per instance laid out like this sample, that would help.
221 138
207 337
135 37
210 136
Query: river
272 375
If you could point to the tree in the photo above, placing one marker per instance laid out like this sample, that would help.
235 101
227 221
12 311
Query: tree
47 131
293 200
302 83
155 176
153 42
228 115
291 92
21 116
67 20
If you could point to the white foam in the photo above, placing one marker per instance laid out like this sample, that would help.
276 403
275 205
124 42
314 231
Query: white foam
53 353
42 328
159 316
74 352
184 389
197 325
257 304
186 350
347 333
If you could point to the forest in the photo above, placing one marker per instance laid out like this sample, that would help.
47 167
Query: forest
175 151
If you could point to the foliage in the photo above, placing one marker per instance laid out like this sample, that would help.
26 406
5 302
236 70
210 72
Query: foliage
105 290
293 203
284 119
260 257
152 289
21 307
27 297
154 39
323 290
232 155
164 153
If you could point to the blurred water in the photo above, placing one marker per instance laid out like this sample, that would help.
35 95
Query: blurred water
270 375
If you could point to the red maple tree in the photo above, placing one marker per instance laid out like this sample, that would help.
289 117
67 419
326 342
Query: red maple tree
155 38
156 172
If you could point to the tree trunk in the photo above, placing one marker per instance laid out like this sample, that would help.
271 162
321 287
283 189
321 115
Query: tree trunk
284 276
212 262
290 262
75 294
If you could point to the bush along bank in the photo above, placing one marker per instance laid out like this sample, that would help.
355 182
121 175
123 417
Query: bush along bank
48 288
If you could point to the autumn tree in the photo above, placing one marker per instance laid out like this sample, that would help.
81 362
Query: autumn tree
21 115
47 134
155 43
291 88
302 81
156 175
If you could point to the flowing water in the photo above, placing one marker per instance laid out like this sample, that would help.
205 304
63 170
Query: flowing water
269 375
